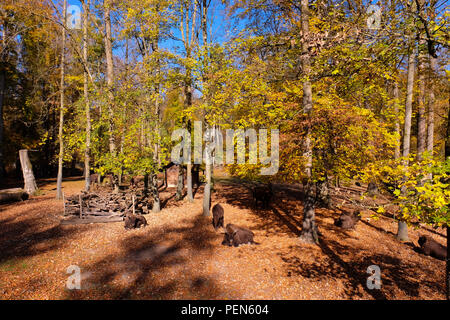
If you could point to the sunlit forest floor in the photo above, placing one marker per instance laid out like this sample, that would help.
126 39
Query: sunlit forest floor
180 256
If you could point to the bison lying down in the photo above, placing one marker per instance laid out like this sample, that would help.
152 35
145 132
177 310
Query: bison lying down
235 235
348 220
217 221
432 248
133 221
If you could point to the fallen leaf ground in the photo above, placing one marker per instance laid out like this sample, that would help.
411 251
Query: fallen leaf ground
180 256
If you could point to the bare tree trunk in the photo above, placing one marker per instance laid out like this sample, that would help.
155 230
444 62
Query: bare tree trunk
110 82
187 28
447 262
397 121
208 174
188 105
431 106
109 71
156 156
209 165
421 121
447 140
180 184
155 194
27 170
408 103
87 151
190 195
207 191
402 232
2 94
309 228
59 194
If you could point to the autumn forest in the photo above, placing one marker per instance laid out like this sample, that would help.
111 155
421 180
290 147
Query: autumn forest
224 149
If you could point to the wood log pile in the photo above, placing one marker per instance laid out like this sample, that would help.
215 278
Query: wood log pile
89 207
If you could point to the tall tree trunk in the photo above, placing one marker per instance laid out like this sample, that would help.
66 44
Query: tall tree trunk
110 81
397 121
2 98
431 106
421 117
156 156
27 170
309 228
447 262
2 94
187 29
87 151
190 195
109 70
209 165
402 232
59 194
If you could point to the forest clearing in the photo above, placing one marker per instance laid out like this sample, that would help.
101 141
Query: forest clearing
224 150
180 256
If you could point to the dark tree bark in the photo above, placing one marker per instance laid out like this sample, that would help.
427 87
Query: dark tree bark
447 262
180 184
323 193
2 94
155 193
3 61
309 228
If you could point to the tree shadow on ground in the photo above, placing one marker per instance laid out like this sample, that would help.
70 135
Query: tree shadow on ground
154 265
345 262
32 231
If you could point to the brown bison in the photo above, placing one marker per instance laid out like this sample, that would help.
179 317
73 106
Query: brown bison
348 220
432 248
217 212
235 235
133 221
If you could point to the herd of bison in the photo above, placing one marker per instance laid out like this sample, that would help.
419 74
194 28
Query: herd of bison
262 195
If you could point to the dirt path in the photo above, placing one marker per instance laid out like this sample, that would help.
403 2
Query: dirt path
180 256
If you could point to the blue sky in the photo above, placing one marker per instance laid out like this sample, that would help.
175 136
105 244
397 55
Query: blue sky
219 28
